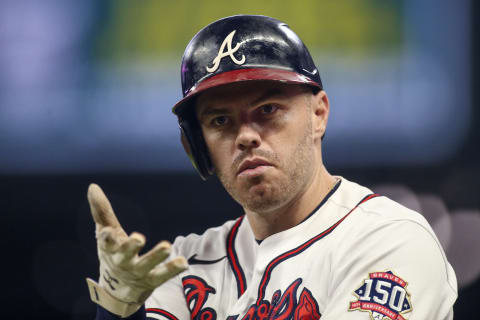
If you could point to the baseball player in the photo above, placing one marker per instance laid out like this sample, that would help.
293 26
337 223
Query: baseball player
310 245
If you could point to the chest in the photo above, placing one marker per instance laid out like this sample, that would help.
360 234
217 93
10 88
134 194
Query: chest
291 285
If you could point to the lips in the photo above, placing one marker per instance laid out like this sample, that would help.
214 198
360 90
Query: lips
252 164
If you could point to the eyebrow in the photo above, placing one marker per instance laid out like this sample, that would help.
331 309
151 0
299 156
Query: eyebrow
269 94
211 111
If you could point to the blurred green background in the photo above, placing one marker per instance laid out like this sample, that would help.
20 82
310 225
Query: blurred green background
153 29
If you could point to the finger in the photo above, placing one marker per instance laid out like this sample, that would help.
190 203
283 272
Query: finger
108 239
129 248
166 271
152 258
101 208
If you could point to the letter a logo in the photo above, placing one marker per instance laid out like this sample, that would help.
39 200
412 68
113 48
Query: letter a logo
221 54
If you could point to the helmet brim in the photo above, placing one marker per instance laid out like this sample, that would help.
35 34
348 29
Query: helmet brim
240 75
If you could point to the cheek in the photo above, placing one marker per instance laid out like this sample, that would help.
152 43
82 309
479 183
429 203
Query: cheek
286 135
219 152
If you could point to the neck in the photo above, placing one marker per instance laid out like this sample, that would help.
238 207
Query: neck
296 210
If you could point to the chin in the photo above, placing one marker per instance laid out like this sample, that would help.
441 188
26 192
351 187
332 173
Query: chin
258 194
261 198
262 205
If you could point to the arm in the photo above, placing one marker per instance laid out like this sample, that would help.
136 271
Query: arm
126 279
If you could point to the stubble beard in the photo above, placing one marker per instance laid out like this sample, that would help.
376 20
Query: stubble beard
262 196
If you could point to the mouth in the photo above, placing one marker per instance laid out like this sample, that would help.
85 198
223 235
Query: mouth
253 167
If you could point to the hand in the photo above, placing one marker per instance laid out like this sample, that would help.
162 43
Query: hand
126 279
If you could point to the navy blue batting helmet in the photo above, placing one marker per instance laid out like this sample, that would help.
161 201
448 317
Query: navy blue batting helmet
235 49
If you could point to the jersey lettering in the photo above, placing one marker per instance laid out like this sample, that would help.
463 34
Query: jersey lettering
196 293
307 308
285 306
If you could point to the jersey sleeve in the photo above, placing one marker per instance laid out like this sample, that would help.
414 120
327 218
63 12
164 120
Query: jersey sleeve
167 302
392 270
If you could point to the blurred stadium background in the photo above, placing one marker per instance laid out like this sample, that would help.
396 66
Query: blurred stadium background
86 89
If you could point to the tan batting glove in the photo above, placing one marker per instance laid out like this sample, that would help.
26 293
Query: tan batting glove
126 279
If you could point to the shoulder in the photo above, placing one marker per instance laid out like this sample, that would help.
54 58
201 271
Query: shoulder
381 234
369 210
381 213
212 241
384 209
392 226
384 220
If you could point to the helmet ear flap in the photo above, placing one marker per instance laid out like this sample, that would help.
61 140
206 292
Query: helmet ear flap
195 147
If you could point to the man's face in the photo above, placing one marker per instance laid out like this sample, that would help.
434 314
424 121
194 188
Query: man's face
260 139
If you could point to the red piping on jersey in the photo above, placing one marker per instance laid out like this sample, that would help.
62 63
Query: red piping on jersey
298 250
162 312
233 259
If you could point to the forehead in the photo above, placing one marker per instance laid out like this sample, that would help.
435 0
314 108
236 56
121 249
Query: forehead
246 93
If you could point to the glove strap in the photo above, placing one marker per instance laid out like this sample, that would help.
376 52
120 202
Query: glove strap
101 297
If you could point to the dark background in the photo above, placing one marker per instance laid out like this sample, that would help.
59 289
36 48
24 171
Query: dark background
49 241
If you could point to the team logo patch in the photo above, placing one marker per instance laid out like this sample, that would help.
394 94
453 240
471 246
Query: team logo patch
384 296
229 53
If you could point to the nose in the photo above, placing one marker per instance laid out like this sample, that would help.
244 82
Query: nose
247 137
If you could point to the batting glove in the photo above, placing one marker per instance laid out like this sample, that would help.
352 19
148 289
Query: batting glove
126 279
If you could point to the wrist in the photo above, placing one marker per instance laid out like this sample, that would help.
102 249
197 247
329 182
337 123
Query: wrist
101 297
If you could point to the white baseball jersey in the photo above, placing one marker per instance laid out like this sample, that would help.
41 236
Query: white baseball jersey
357 256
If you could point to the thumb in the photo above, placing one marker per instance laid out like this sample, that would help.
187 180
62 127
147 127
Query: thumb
101 208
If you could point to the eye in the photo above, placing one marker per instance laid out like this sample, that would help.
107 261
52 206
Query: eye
268 109
219 121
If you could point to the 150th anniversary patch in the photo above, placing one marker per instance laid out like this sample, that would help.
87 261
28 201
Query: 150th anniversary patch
384 296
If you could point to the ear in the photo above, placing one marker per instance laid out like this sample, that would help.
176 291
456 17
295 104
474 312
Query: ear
320 112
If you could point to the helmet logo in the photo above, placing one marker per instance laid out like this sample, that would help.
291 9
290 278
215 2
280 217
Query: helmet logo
221 54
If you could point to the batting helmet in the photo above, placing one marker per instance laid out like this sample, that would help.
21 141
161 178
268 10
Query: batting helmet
234 49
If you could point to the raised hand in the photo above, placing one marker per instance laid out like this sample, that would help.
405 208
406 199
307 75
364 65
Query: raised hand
126 279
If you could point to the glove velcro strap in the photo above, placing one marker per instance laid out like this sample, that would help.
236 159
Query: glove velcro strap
101 297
